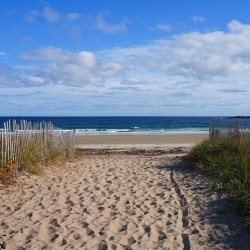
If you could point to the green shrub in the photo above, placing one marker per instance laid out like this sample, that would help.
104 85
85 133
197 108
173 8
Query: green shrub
228 159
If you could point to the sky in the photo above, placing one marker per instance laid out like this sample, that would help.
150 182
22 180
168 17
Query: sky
124 58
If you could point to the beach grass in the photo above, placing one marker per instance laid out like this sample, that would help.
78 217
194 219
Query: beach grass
228 160
30 147
34 160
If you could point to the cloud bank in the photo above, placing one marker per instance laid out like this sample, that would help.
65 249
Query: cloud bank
188 70
59 67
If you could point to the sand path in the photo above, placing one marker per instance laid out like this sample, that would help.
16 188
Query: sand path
119 201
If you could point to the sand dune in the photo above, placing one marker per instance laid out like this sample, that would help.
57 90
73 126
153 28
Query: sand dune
119 201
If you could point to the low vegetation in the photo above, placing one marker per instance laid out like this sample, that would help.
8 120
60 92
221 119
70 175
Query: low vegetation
30 147
227 158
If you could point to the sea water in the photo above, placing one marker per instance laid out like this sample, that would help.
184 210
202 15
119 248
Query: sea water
134 125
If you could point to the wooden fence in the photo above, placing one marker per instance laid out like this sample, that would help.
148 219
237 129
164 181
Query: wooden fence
228 131
17 139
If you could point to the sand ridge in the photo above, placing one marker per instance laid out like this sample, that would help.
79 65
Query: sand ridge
119 201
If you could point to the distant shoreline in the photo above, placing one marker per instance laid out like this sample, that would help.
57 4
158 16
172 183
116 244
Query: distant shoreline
239 117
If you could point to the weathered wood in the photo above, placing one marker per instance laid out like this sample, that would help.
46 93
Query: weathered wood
233 131
16 140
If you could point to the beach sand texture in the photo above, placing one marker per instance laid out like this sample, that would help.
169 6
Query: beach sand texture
119 201
141 139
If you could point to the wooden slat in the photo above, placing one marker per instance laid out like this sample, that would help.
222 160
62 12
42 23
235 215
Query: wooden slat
15 140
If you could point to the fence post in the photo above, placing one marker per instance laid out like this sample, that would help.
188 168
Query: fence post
16 138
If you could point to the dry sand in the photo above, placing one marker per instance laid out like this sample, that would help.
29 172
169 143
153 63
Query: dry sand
119 200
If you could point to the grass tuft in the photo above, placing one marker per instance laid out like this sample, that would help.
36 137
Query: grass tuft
30 147
228 160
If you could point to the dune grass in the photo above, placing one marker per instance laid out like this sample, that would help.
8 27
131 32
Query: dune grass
228 160
34 159
30 147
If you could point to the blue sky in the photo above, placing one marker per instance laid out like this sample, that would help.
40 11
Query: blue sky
111 57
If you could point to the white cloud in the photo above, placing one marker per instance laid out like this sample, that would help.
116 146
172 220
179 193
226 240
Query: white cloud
26 39
9 77
33 80
199 56
31 16
190 56
236 26
106 27
198 19
73 16
164 26
51 15
69 68
48 14
188 70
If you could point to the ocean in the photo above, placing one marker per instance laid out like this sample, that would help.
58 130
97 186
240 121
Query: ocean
134 125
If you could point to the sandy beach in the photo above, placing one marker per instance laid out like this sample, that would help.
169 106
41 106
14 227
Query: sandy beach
144 199
141 139
143 142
